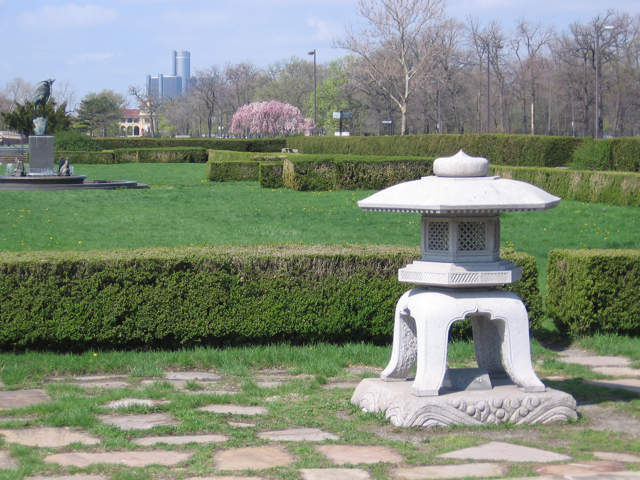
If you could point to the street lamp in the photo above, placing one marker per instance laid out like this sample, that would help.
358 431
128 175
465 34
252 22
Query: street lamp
315 91
597 55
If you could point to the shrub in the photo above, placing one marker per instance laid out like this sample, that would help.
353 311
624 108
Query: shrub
270 175
74 141
617 188
625 154
499 149
592 155
349 172
172 155
87 158
593 291
239 144
173 298
232 171
315 172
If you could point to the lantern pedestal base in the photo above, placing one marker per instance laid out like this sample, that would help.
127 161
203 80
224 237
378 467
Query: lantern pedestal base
424 317
503 403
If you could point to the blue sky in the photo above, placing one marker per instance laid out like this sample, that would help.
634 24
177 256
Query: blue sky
116 43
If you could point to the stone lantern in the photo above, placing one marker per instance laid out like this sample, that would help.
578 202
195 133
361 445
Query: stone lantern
457 275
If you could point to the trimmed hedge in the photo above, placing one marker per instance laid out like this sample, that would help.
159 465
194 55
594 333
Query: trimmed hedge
591 291
161 155
237 144
86 158
231 156
226 166
173 298
349 172
518 150
617 188
270 175
232 171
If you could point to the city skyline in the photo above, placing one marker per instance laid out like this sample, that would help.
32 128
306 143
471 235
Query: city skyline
115 44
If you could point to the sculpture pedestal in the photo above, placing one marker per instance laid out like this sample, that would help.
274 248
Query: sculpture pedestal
503 403
41 154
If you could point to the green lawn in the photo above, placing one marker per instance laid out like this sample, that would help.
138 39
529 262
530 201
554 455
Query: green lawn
181 208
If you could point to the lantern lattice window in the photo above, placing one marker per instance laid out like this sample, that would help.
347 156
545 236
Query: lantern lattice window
471 236
438 236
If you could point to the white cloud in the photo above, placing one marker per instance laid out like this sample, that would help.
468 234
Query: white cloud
188 20
66 17
87 57
325 31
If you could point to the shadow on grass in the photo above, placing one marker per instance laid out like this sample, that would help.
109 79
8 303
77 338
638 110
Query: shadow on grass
587 394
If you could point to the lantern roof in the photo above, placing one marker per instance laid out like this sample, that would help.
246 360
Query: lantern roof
461 185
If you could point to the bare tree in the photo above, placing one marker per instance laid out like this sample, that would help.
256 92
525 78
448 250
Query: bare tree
65 92
208 94
242 81
529 47
396 44
151 106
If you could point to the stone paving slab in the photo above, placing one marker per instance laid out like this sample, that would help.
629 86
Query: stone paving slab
270 384
331 386
6 461
241 424
216 477
21 398
211 392
618 371
128 402
47 437
192 376
355 454
180 439
631 384
69 477
597 361
254 458
449 471
581 468
104 384
593 476
234 409
334 474
143 421
97 378
620 457
130 459
298 435
501 451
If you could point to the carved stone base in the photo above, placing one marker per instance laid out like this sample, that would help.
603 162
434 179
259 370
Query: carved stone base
504 403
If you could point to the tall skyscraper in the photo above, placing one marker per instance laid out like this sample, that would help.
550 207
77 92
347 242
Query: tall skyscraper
176 84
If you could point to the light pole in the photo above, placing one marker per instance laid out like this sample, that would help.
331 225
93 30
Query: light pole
315 92
597 55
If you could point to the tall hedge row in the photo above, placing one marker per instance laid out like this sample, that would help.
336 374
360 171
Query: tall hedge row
87 158
170 298
518 150
349 172
617 188
591 291
237 144
161 155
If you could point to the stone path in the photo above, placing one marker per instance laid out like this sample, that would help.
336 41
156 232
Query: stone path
343 461
626 378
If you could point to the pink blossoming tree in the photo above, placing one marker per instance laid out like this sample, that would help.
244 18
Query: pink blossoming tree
269 119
